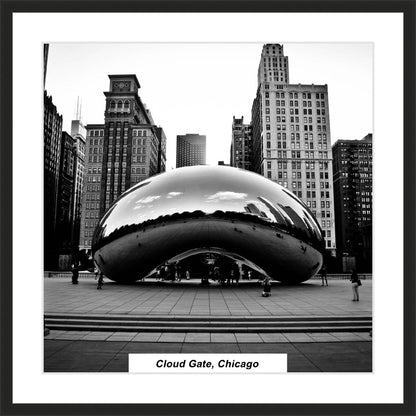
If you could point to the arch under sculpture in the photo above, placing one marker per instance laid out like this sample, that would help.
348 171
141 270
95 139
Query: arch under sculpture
208 208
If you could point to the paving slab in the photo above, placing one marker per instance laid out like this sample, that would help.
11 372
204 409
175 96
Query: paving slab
147 337
248 338
198 337
296 337
126 336
223 337
172 337
272 337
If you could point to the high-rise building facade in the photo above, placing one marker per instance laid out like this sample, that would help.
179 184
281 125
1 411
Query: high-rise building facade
353 171
123 151
52 125
241 145
78 132
65 207
161 162
190 150
292 137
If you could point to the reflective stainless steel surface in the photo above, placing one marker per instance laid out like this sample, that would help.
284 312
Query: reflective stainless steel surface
208 208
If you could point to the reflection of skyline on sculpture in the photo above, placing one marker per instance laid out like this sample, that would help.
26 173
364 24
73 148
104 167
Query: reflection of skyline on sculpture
205 208
191 195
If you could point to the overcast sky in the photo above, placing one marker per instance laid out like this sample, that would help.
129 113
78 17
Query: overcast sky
199 87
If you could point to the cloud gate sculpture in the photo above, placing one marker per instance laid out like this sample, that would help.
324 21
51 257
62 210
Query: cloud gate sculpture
217 209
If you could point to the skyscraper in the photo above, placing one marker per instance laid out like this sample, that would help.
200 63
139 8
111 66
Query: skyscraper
190 150
78 132
241 145
52 131
65 206
123 151
292 138
353 171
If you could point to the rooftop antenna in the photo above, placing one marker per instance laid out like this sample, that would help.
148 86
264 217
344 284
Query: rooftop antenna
77 109
80 110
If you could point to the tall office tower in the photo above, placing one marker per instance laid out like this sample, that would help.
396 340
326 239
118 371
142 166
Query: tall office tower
161 162
123 151
52 131
190 150
274 66
292 138
78 132
241 144
65 207
353 171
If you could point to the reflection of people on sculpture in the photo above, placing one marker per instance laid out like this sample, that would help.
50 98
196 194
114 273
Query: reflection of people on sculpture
210 273
217 273
267 287
162 273
204 280
236 270
171 272
177 272
230 276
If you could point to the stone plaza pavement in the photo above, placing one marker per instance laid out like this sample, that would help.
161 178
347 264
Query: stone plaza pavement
191 298
108 351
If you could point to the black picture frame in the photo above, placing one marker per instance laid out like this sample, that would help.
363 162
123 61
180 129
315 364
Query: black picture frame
408 8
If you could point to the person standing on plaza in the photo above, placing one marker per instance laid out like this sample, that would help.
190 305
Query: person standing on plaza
323 275
267 287
230 276
355 281
236 273
178 272
75 272
100 280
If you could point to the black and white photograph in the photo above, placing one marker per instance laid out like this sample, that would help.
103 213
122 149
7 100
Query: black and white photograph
208 198
202 210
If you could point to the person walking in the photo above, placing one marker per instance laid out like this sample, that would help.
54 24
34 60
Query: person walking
75 272
356 282
230 276
323 276
100 280
267 287
236 273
